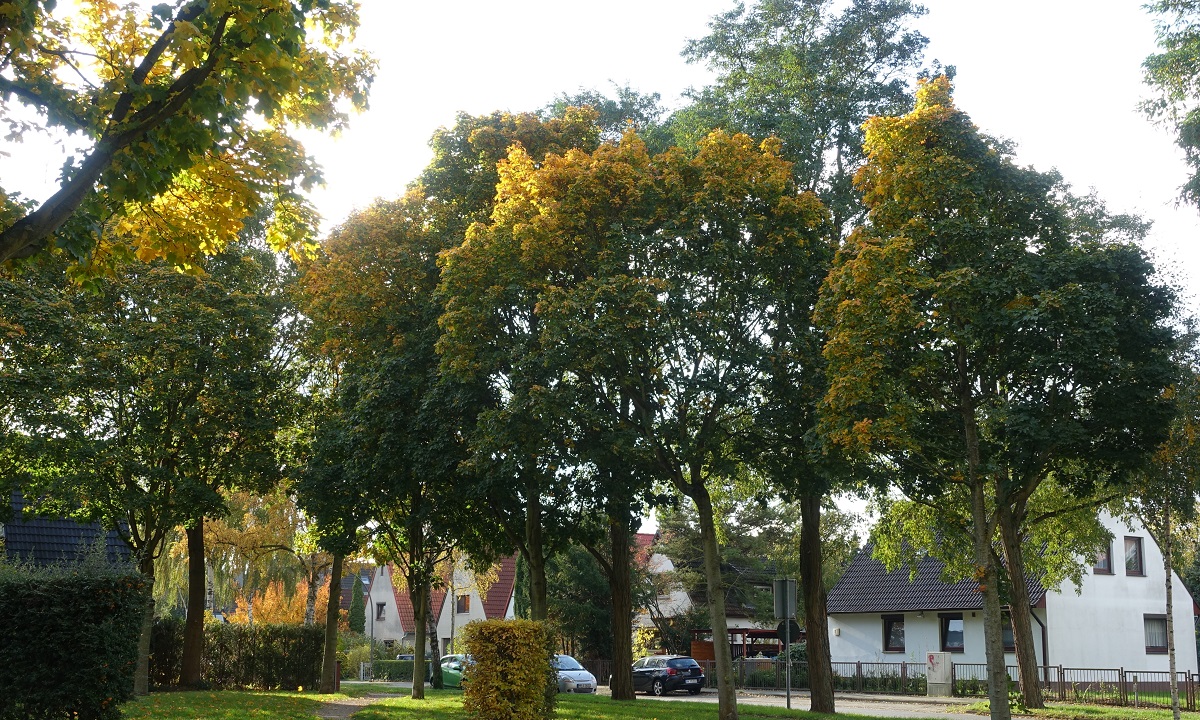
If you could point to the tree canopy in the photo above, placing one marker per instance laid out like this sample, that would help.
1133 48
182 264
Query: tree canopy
185 109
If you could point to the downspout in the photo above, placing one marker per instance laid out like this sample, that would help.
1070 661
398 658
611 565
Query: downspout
1045 648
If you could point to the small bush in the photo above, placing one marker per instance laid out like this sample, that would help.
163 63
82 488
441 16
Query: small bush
510 677
761 679
68 639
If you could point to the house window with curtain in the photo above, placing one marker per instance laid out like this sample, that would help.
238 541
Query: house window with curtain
952 632
379 610
462 604
1156 634
893 633
1134 564
1009 637
1103 564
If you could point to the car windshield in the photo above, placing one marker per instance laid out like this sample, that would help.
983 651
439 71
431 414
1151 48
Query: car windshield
566 662
683 663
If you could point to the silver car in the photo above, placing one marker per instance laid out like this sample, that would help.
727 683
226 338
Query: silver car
572 677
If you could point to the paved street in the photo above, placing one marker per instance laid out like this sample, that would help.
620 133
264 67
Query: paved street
896 707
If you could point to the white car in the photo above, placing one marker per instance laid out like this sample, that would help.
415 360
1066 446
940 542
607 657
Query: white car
572 677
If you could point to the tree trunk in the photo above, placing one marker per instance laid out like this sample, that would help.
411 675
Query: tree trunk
435 678
141 676
538 603
622 604
726 692
1019 611
310 597
988 576
1168 568
329 658
193 628
418 595
816 619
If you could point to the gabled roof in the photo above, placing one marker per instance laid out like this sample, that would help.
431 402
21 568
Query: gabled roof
867 587
404 608
495 604
46 541
365 573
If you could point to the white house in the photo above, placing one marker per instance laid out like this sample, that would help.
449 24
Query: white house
462 602
384 621
1117 619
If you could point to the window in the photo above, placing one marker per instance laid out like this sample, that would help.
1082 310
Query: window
379 608
1156 634
1133 556
952 632
893 633
463 604
1010 642
1103 564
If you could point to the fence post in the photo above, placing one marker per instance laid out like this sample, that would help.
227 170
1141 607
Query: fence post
858 676
1062 684
953 680
1124 689
903 678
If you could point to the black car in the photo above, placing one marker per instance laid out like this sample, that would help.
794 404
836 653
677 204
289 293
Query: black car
660 674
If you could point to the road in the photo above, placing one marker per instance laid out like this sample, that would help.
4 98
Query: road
859 705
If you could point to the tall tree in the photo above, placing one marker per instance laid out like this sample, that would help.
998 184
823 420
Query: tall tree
633 279
809 72
136 403
171 101
1173 74
982 340
401 425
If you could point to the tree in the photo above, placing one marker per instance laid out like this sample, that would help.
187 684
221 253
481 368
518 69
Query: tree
985 336
399 426
633 279
136 403
809 72
1172 74
187 108
358 607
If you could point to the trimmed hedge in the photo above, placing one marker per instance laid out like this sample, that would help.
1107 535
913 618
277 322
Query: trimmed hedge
393 670
68 639
264 657
510 676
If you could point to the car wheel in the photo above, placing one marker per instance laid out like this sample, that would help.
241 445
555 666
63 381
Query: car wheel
656 688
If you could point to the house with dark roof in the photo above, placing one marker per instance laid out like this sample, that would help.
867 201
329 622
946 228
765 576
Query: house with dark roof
1116 617
50 540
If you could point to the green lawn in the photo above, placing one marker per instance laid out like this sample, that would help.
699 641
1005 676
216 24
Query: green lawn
1094 712
447 705
224 705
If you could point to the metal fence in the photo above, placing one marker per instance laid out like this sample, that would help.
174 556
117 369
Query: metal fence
1103 686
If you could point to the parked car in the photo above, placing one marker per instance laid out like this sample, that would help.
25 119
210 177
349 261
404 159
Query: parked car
572 677
661 674
453 669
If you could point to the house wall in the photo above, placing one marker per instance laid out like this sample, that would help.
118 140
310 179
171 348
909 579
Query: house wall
858 637
1102 625
451 622
382 591
674 602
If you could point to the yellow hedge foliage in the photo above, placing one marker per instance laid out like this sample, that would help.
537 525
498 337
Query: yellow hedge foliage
510 677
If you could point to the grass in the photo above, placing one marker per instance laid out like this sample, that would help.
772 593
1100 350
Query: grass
224 705
447 705
1093 712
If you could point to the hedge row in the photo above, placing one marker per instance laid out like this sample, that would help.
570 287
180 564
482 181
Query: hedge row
68 639
264 657
393 670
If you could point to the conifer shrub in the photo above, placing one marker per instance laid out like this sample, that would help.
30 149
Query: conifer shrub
509 675
68 639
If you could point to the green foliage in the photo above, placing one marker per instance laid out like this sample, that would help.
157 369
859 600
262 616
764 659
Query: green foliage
238 656
185 124
68 639
809 72
392 670
511 677
358 612
1174 75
